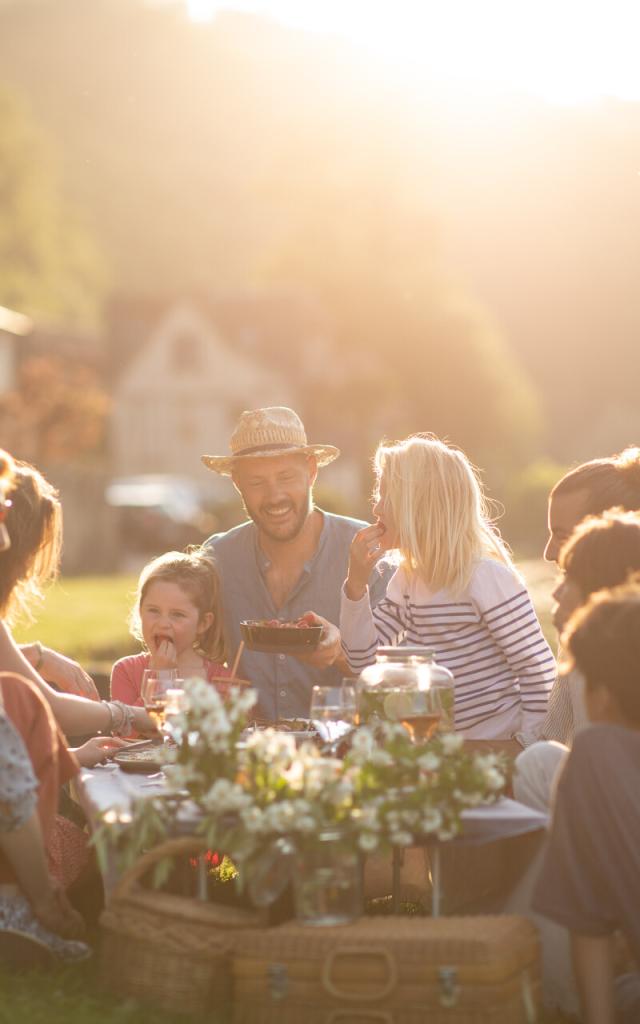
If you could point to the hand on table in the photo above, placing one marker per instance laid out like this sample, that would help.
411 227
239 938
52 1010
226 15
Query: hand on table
67 674
367 547
98 749
143 725
329 650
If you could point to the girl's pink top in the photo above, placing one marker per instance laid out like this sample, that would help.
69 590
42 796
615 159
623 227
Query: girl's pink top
126 677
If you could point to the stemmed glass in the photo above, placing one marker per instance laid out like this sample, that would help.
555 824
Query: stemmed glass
421 712
156 684
333 709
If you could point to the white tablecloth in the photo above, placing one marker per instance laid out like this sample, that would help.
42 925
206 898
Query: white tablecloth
103 788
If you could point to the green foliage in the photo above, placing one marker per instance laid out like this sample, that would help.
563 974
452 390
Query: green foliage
57 413
48 262
526 496
300 178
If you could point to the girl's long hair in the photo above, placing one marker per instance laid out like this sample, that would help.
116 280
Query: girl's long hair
196 574
440 513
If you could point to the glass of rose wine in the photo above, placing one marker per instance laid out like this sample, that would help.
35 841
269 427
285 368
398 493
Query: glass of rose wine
421 713
156 684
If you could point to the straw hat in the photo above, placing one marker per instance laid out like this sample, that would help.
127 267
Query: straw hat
263 432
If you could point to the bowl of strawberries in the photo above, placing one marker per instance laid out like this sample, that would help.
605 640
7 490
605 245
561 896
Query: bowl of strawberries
271 636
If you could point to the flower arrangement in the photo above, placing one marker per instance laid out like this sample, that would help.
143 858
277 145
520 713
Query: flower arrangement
266 793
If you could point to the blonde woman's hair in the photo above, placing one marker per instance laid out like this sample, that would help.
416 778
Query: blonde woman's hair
34 525
195 573
440 512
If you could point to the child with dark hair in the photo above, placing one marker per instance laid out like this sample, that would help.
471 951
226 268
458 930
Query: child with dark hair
590 881
601 552
590 489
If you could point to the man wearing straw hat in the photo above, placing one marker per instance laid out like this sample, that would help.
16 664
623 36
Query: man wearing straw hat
289 559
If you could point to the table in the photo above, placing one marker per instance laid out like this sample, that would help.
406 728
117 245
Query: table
107 787
103 788
485 824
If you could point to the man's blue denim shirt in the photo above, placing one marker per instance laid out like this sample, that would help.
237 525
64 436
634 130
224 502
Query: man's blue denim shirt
284 683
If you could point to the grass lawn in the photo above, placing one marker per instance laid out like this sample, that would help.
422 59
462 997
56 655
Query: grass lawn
73 995
85 618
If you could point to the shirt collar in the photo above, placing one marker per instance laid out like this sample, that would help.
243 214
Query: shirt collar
264 563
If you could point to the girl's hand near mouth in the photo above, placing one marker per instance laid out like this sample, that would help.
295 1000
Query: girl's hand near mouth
165 654
366 548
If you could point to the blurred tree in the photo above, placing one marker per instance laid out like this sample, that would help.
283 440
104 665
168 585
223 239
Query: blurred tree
48 263
414 352
57 413
526 496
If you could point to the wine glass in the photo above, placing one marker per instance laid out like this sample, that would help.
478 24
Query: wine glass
421 712
155 696
333 709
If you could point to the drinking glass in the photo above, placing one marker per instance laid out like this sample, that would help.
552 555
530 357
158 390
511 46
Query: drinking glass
333 709
420 711
155 696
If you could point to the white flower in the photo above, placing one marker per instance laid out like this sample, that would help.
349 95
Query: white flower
429 762
363 743
306 823
369 818
368 841
410 818
451 742
224 795
446 833
381 758
473 799
401 838
280 817
494 779
431 819
252 819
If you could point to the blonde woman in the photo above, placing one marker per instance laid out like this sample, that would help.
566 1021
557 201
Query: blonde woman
455 590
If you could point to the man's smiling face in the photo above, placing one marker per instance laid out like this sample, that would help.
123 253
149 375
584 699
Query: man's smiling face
276 491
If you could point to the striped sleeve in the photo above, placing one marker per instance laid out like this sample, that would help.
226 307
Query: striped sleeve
557 723
363 630
506 609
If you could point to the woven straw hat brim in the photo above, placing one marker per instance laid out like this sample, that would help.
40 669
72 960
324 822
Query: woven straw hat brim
223 464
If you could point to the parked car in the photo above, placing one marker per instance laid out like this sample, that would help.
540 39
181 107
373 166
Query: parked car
158 513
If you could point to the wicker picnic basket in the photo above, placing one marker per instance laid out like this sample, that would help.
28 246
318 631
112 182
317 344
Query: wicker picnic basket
168 950
390 970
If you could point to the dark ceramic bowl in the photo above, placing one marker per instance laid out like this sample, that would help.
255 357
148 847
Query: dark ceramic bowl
280 639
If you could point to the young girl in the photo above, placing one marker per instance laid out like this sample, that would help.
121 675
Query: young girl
456 590
178 618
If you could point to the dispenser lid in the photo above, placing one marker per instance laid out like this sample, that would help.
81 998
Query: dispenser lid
405 652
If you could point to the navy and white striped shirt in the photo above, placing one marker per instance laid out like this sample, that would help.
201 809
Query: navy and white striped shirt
489 637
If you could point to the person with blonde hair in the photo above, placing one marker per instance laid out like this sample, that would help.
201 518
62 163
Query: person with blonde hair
455 590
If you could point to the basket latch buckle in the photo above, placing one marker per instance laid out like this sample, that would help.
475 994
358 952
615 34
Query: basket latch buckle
449 988
278 980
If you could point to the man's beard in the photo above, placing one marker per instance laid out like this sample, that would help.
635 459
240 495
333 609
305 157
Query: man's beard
292 524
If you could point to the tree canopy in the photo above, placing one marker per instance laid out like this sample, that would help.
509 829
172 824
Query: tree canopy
49 264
